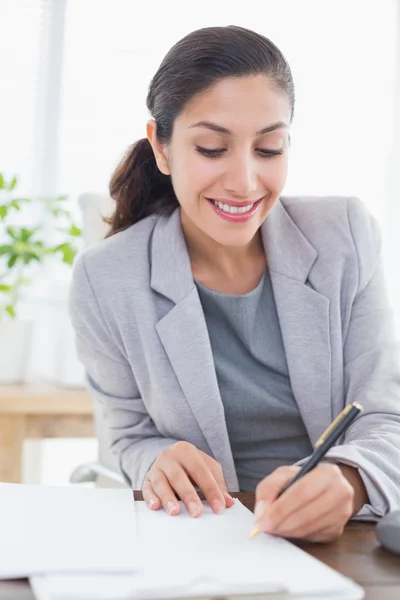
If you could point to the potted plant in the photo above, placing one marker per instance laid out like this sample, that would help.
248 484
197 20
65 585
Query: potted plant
33 231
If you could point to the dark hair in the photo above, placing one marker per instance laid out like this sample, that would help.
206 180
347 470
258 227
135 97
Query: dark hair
191 66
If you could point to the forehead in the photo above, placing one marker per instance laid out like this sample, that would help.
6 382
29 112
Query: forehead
239 102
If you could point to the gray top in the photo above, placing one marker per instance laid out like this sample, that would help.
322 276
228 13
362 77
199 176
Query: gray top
264 423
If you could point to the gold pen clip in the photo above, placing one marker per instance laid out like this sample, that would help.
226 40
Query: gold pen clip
336 421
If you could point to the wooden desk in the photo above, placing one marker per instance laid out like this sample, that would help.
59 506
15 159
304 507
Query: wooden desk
357 555
39 410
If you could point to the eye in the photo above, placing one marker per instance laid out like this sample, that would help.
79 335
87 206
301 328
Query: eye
215 152
209 151
269 153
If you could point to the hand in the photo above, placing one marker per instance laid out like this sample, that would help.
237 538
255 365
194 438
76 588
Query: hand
174 471
314 508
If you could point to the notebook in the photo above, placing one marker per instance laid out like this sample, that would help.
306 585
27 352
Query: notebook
211 556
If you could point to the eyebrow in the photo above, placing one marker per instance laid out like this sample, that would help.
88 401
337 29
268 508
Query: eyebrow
220 129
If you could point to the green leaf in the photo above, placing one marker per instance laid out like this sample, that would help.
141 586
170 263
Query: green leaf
1 182
28 251
28 258
12 260
3 211
75 231
4 288
14 204
60 211
27 233
13 183
19 200
13 232
6 249
68 252
11 311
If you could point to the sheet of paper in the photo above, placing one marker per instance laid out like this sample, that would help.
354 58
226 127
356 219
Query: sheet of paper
66 529
184 557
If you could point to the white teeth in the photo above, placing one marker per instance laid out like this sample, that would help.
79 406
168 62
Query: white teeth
232 209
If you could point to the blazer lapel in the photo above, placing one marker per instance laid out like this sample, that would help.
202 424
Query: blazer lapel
184 335
303 316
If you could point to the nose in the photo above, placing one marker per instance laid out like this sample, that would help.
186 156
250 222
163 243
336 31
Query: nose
241 180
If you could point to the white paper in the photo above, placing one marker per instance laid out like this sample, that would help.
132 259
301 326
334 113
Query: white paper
184 557
66 529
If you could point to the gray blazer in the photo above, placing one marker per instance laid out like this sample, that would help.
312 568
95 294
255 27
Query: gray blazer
142 337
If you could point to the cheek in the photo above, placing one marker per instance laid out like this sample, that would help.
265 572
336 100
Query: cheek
193 175
273 176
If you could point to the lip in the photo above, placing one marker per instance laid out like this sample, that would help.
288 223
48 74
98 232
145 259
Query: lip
239 217
233 203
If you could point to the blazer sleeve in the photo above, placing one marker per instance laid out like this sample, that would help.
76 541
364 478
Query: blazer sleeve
372 374
132 433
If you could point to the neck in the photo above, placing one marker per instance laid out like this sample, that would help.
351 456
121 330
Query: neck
207 254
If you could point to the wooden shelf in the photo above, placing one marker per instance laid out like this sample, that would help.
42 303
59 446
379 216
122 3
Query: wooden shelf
39 410
44 399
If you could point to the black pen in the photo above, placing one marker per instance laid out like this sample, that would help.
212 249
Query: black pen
325 442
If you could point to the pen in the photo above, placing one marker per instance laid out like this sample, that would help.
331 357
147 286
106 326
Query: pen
325 442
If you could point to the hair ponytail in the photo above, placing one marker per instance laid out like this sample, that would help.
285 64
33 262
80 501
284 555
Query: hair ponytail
139 188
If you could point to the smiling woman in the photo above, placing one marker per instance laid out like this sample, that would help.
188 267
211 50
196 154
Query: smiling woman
222 325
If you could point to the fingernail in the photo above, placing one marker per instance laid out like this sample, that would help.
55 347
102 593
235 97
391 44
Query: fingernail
171 507
217 507
194 509
259 509
151 501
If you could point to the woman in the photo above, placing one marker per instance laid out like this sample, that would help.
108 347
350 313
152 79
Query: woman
223 326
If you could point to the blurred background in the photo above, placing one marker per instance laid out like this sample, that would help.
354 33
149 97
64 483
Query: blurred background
73 82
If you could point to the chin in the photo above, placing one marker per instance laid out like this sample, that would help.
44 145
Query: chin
234 239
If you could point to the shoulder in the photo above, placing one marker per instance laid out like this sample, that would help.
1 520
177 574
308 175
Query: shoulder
339 225
111 259
314 212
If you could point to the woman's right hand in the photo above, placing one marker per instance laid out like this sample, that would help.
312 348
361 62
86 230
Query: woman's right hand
173 472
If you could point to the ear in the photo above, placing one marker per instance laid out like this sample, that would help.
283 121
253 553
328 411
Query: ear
158 148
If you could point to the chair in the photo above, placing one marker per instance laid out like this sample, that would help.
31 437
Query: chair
105 471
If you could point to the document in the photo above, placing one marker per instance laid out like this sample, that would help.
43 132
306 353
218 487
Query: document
66 529
182 557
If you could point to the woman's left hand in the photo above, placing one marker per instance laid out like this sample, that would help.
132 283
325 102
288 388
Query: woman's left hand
314 508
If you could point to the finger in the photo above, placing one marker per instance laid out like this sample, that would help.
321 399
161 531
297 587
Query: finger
195 466
229 500
164 491
218 474
149 496
306 490
325 535
318 514
332 507
179 481
268 489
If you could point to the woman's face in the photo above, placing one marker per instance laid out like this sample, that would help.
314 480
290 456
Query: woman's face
220 152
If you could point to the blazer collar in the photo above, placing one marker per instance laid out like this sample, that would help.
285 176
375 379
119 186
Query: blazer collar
288 251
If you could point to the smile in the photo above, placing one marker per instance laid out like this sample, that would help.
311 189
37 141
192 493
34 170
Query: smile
235 213
233 209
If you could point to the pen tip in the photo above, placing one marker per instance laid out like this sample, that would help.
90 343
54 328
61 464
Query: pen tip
255 531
